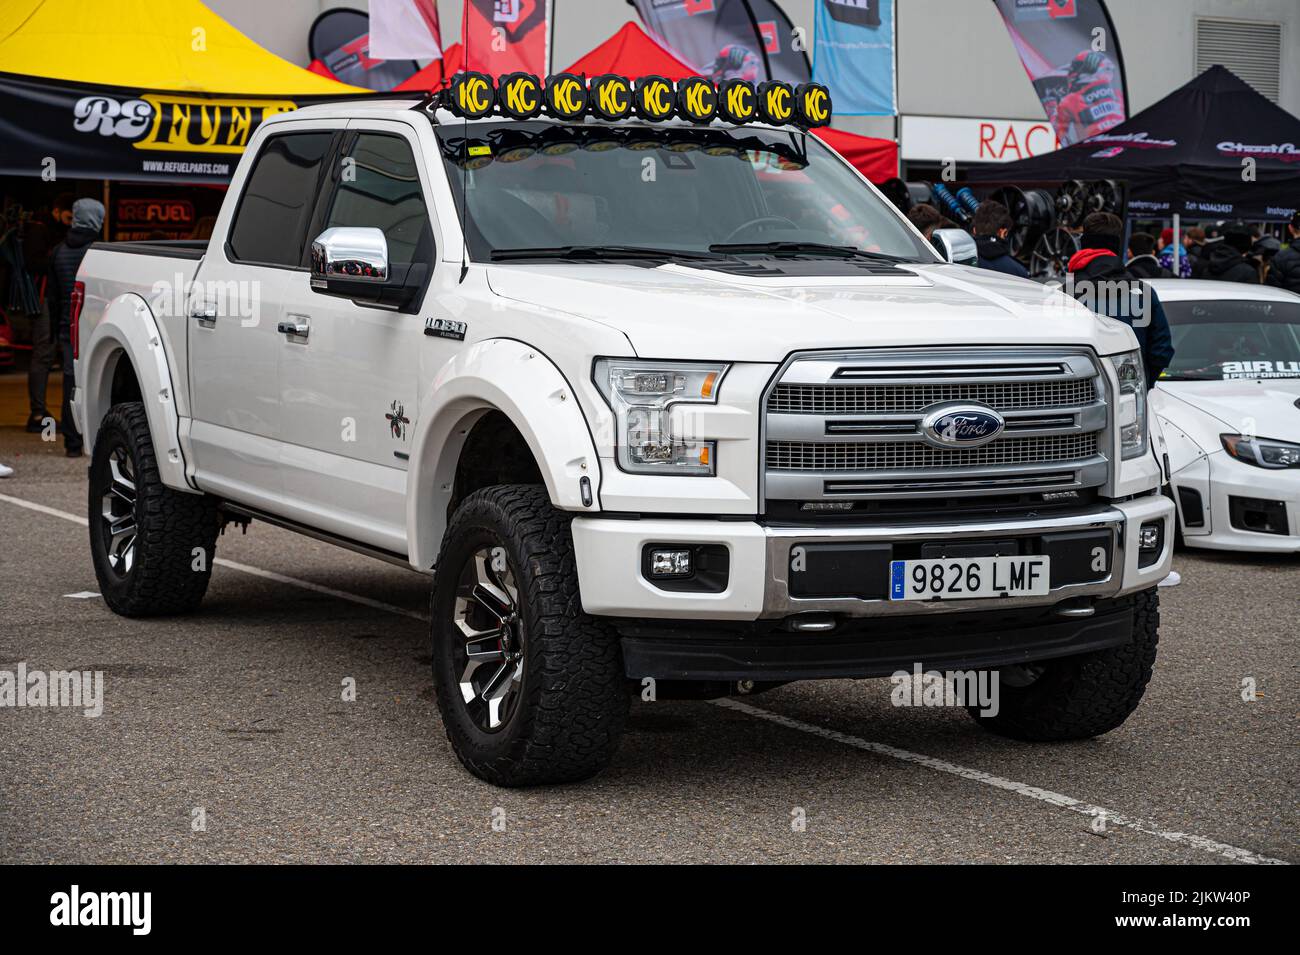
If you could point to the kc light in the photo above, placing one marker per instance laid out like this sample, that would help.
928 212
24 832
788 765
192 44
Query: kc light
1262 452
812 105
642 395
736 101
520 95
653 99
775 102
611 97
472 95
697 100
1131 411
566 96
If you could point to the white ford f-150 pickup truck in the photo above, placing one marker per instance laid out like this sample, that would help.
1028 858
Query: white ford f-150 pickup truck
663 402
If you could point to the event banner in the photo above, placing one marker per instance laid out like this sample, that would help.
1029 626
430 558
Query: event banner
62 131
505 36
729 39
854 55
1071 53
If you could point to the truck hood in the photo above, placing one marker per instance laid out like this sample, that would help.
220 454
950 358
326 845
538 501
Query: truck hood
1233 405
677 311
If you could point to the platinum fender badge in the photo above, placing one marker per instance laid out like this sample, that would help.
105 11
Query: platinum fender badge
961 425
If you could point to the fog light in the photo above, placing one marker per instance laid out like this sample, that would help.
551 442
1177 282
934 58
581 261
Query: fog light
670 563
1149 536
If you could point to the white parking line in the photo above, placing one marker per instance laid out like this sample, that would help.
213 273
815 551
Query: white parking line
882 749
242 568
1110 817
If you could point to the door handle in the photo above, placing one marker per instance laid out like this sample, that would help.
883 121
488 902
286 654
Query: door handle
205 315
296 329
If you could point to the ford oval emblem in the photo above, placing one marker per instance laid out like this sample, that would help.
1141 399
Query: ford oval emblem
961 425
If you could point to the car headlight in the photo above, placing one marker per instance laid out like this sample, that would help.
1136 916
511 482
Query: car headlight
1262 452
1131 412
642 394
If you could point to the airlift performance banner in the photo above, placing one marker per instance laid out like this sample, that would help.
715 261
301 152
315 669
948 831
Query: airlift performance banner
58 130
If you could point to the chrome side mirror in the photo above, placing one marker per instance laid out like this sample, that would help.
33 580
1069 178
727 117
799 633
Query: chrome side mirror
353 254
957 246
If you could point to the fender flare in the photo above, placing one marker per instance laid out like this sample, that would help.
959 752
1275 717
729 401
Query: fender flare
128 328
499 374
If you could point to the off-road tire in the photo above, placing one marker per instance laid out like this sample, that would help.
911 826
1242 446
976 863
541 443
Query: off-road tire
573 701
1084 696
167 575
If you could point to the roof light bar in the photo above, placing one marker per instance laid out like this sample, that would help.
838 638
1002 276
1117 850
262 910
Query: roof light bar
655 99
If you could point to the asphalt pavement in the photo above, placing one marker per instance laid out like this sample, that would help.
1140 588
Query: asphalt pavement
225 736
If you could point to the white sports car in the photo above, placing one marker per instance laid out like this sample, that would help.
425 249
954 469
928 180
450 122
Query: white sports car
1229 406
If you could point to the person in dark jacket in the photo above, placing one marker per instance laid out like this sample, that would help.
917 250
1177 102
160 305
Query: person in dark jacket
1284 271
1142 258
1101 281
991 227
1225 260
65 260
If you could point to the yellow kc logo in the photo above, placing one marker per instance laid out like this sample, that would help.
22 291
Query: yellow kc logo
612 98
778 103
521 95
739 101
655 100
566 96
473 95
695 104
814 105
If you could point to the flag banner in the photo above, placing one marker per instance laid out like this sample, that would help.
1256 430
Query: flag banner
59 131
405 29
1071 52
729 39
854 55
506 36
340 40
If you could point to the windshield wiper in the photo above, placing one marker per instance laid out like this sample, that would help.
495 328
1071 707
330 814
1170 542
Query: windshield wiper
598 252
804 248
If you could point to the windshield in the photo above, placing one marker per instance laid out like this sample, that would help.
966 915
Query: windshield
602 189
1234 339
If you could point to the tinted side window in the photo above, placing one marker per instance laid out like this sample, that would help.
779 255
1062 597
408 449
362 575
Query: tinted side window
278 199
383 192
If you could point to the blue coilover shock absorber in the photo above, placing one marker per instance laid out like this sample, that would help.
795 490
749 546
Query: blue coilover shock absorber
949 203
968 199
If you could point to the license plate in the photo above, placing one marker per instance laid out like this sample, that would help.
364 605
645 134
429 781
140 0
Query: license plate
962 578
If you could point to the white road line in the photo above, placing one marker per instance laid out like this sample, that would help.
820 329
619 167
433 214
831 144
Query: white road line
882 749
243 568
1111 817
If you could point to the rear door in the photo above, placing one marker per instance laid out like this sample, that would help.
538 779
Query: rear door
349 387
234 307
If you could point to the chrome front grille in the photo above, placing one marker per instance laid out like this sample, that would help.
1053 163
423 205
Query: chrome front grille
906 455
844 426
901 399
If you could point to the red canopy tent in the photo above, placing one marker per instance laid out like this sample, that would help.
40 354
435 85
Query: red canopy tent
632 52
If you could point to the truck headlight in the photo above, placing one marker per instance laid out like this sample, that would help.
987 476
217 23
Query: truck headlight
641 394
1262 452
1131 411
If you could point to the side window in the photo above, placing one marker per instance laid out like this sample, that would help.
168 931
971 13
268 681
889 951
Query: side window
271 221
380 187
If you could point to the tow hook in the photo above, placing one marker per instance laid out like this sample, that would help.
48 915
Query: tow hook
811 623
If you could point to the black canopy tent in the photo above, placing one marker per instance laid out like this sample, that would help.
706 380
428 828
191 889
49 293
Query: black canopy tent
1186 156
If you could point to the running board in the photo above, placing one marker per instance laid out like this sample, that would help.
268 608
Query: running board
244 513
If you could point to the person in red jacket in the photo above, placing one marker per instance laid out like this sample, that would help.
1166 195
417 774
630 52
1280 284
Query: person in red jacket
1093 104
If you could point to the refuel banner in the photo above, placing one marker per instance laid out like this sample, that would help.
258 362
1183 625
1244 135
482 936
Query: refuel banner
507 36
729 39
1071 53
63 131
854 55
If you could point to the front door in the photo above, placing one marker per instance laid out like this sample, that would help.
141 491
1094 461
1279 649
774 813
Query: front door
349 385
